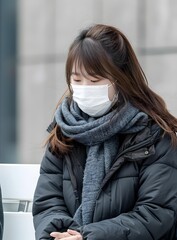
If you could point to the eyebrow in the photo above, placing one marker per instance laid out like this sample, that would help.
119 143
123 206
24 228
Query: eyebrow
75 73
78 74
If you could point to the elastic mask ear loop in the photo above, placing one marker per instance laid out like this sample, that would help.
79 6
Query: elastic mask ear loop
111 84
116 95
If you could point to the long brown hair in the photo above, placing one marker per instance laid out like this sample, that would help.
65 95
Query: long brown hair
104 51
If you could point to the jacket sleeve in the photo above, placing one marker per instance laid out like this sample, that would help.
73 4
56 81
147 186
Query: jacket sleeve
49 210
155 212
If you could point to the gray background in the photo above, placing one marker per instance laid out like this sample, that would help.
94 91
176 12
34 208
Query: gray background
46 28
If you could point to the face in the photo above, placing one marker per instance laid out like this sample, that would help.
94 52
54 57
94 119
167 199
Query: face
78 78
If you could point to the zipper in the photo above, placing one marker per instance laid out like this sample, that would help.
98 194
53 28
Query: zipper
146 143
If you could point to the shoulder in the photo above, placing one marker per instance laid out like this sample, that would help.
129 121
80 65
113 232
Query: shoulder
166 152
51 162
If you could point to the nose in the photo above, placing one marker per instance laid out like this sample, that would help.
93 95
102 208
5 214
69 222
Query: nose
85 81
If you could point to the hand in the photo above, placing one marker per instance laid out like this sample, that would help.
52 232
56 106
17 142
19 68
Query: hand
69 235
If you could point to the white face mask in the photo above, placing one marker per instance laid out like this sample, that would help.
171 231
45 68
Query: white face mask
93 100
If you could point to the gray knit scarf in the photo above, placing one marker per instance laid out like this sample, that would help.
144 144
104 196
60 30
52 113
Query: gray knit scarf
100 135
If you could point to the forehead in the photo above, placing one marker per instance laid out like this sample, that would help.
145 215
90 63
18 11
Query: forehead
78 67
81 68
80 71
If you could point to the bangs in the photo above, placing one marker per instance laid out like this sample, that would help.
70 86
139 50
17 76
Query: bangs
89 58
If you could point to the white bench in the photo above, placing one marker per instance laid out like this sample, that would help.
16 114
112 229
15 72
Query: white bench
18 182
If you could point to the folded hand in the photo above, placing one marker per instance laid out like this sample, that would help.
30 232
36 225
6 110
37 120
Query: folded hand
69 235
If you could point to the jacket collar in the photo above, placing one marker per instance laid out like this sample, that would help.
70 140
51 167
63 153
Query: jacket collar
134 148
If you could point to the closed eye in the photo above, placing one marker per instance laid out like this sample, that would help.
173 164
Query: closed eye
76 80
94 81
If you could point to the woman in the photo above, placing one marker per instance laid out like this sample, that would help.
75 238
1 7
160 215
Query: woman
110 167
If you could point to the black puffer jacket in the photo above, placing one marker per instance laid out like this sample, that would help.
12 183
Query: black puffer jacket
137 199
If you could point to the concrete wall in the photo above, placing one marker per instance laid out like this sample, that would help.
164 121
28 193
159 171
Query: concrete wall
46 29
161 49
